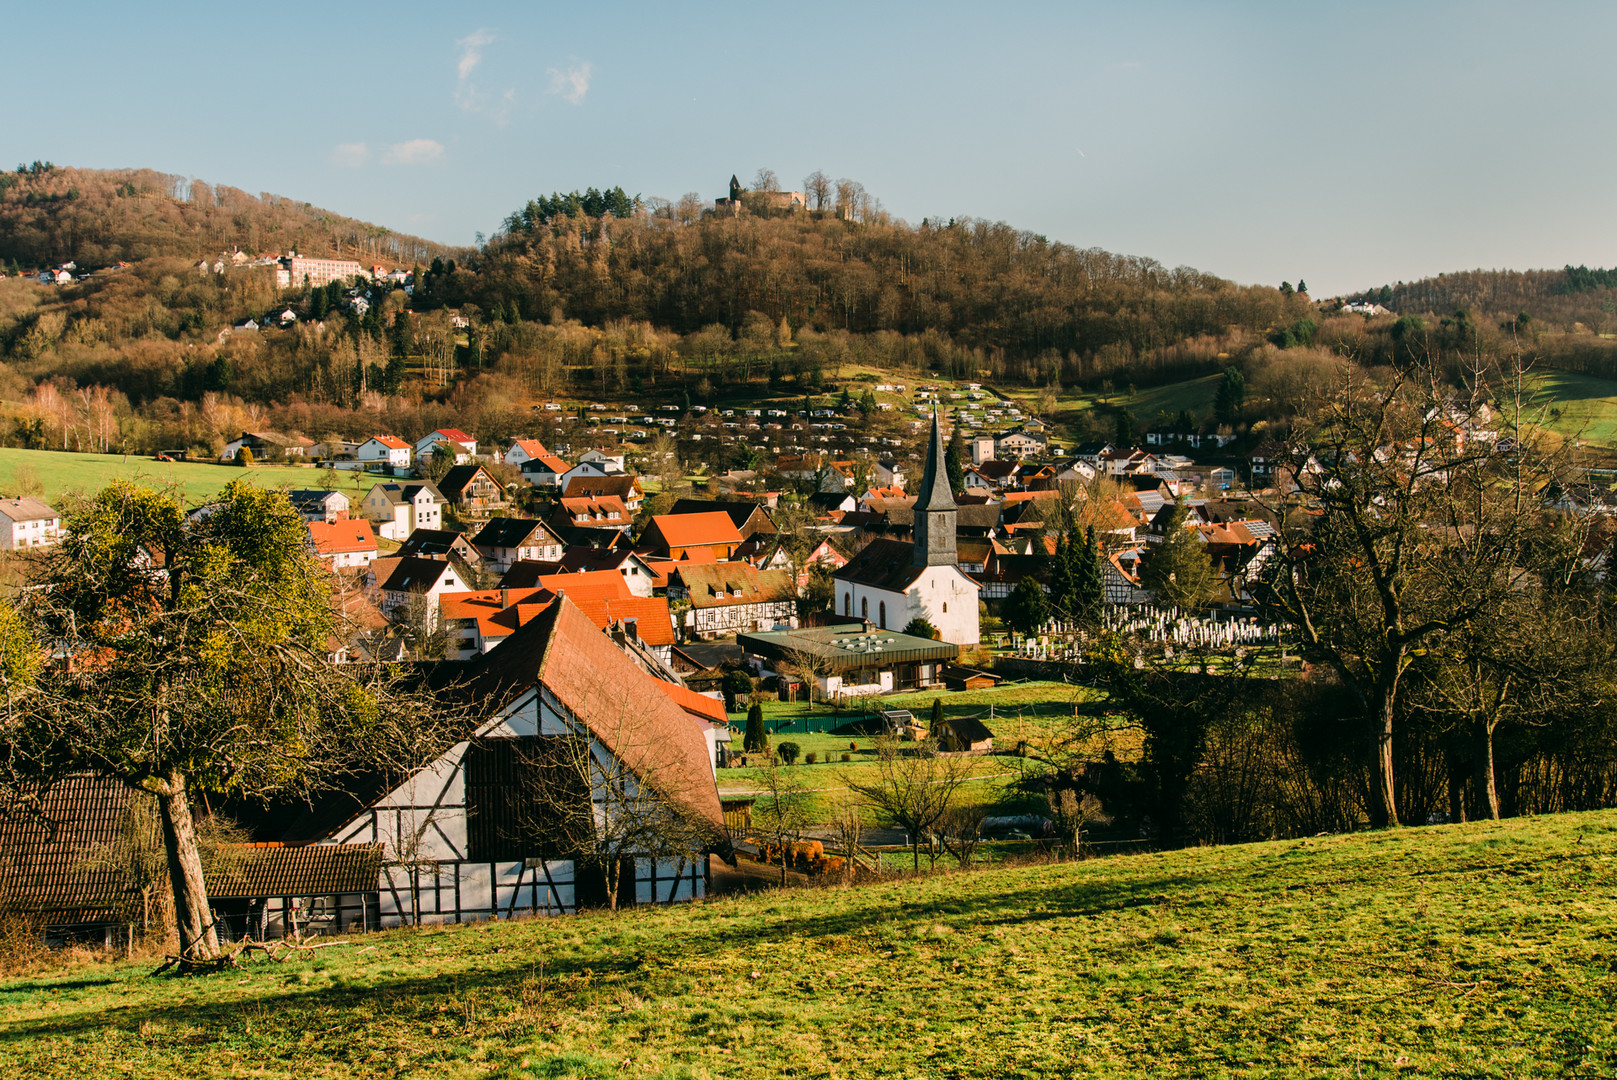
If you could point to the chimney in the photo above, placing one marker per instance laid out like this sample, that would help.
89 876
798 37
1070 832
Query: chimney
505 598
631 627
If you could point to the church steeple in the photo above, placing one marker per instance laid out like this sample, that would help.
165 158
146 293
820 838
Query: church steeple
935 509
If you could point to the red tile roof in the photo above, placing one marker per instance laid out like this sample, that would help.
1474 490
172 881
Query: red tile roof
698 705
456 434
693 530
341 536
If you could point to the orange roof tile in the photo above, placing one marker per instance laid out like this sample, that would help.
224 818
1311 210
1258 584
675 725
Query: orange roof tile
689 530
698 705
343 535
392 442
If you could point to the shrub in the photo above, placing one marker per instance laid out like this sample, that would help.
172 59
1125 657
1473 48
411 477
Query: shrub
810 758
788 752
853 746
846 756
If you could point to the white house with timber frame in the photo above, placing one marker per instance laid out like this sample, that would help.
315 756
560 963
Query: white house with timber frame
464 837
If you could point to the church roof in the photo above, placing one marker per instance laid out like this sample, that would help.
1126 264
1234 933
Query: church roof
882 564
934 494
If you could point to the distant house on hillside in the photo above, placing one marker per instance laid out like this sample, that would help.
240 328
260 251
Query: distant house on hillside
318 505
28 523
389 450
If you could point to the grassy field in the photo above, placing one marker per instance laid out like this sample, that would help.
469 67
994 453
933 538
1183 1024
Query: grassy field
1028 711
1582 406
1466 950
61 473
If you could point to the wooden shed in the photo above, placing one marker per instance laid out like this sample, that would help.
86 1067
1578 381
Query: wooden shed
959 678
964 734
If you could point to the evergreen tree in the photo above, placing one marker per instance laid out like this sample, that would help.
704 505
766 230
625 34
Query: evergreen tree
1125 429
937 716
1231 397
1179 571
1063 589
1089 585
1026 609
954 461
1302 286
756 739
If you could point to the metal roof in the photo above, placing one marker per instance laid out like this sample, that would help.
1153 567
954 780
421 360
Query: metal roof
848 647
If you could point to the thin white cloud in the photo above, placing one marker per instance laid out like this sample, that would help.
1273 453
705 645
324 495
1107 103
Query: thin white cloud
350 155
471 52
414 152
467 95
571 83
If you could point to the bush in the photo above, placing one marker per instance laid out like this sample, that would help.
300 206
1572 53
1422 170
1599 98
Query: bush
846 756
853 746
810 758
788 752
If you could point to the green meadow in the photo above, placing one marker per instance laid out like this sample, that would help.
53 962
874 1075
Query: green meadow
61 473
1486 949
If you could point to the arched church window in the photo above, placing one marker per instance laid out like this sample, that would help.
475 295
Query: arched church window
883 610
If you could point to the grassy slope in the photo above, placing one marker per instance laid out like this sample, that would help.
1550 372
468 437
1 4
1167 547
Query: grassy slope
1587 404
61 473
1471 950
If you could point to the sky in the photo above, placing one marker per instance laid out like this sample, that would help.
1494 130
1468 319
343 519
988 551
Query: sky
1347 145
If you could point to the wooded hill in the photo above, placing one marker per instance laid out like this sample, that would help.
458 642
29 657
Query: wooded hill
97 217
962 296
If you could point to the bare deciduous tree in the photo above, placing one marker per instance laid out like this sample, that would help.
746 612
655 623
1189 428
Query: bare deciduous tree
915 787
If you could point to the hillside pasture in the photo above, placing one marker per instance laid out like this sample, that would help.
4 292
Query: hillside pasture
1579 406
62 473
1463 950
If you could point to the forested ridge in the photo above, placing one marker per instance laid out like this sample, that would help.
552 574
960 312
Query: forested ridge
607 296
96 217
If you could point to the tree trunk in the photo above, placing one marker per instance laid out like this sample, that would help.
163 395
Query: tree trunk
1384 803
198 938
1485 771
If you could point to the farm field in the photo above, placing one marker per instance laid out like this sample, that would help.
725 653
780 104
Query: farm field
1581 406
62 472
1465 950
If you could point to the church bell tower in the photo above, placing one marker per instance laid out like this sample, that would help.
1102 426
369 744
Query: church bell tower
935 509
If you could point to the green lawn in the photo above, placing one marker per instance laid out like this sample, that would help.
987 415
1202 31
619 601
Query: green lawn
1466 950
1030 711
1582 406
62 473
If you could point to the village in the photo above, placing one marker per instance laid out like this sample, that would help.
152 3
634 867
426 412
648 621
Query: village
828 581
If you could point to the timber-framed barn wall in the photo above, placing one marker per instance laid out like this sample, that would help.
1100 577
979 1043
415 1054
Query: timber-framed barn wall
432 873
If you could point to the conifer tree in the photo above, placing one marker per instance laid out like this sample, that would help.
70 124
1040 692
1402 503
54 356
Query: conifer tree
954 461
756 739
1179 571
1026 609
1063 589
1089 585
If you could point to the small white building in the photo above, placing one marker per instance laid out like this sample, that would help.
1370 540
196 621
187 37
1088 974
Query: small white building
389 450
462 445
400 509
347 543
27 523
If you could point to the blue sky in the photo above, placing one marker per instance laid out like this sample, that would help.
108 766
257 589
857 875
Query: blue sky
1346 144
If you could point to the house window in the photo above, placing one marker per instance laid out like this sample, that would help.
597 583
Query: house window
946 607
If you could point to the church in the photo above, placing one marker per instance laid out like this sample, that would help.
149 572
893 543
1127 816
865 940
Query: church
891 582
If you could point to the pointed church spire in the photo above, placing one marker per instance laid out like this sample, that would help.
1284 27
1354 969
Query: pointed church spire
935 508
